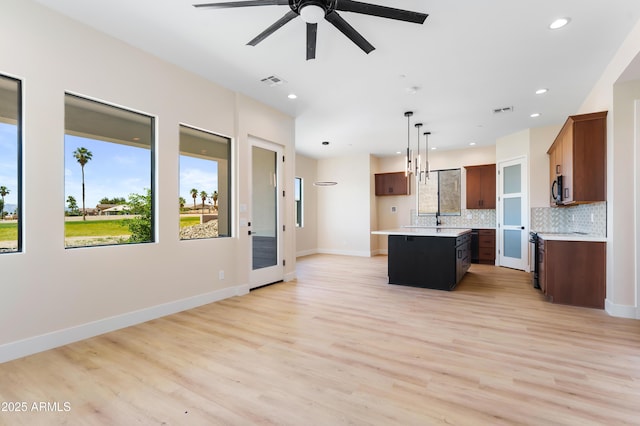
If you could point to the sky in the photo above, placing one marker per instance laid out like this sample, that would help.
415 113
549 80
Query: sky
8 162
117 170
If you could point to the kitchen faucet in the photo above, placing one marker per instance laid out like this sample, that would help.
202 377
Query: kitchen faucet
438 220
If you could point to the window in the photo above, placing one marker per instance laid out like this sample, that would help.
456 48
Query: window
11 163
298 199
108 174
440 194
205 185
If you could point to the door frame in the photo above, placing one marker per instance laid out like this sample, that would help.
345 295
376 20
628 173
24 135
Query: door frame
268 275
524 263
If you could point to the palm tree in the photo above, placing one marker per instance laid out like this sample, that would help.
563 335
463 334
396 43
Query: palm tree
194 195
82 156
181 203
203 197
215 200
4 191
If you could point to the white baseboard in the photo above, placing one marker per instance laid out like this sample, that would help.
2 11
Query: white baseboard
289 277
622 311
345 252
306 253
32 345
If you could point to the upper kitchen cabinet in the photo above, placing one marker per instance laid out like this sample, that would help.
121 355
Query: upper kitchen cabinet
481 186
392 184
578 154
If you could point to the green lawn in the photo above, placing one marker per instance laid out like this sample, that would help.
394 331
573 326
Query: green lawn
89 228
95 228
189 221
8 231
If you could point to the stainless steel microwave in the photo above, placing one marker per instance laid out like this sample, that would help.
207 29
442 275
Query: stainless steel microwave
557 190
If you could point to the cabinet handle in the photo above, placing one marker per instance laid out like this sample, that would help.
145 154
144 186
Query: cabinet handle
459 254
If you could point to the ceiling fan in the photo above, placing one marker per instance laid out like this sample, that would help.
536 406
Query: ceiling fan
313 11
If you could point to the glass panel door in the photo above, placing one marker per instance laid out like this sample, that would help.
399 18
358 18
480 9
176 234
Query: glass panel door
266 238
512 219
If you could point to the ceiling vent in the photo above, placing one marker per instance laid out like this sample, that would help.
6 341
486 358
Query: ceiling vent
272 81
503 109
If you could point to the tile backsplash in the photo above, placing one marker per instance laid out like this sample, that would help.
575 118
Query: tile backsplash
588 218
468 218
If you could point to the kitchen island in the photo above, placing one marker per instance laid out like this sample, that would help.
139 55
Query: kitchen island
435 257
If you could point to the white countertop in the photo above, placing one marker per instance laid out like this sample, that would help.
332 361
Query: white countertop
570 236
425 232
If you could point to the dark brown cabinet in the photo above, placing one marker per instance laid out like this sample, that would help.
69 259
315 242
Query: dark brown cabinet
573 272
481 186
578 154
396 183
487 246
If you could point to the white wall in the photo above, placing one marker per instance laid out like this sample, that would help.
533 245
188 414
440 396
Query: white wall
344 216
623 283
307 236
51 296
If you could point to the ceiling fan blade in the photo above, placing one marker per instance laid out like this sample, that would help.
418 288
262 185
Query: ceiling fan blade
279 23
349 31
381 11
312 36
229 4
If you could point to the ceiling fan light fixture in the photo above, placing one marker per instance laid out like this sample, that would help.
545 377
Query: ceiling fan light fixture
312 13
559 23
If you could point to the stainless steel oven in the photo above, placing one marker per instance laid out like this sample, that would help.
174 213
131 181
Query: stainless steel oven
534 240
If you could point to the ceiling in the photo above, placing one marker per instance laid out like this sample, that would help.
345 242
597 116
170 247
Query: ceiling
469 58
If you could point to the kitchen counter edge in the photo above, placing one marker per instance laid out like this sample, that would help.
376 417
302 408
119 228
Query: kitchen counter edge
424 232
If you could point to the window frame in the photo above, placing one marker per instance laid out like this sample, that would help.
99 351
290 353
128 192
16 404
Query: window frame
299 203
438 212
229 178
19 163
152 160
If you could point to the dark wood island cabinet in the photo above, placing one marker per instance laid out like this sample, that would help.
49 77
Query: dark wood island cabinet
436 259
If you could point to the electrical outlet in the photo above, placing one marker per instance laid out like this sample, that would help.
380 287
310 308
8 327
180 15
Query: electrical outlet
573 218
221 275
592 219
394 209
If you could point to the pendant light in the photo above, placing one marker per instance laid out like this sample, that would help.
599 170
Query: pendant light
418 162
426 154
408 114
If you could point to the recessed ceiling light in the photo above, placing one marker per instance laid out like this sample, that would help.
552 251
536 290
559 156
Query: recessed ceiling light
433 148
559 23
472 143
535 115
412 90
398 152
541 91
292 96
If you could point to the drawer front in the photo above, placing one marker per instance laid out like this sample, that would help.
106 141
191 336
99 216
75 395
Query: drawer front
487 254
485 241
487 232
463 239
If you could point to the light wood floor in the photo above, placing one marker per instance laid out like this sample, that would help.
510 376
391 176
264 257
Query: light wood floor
340 346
